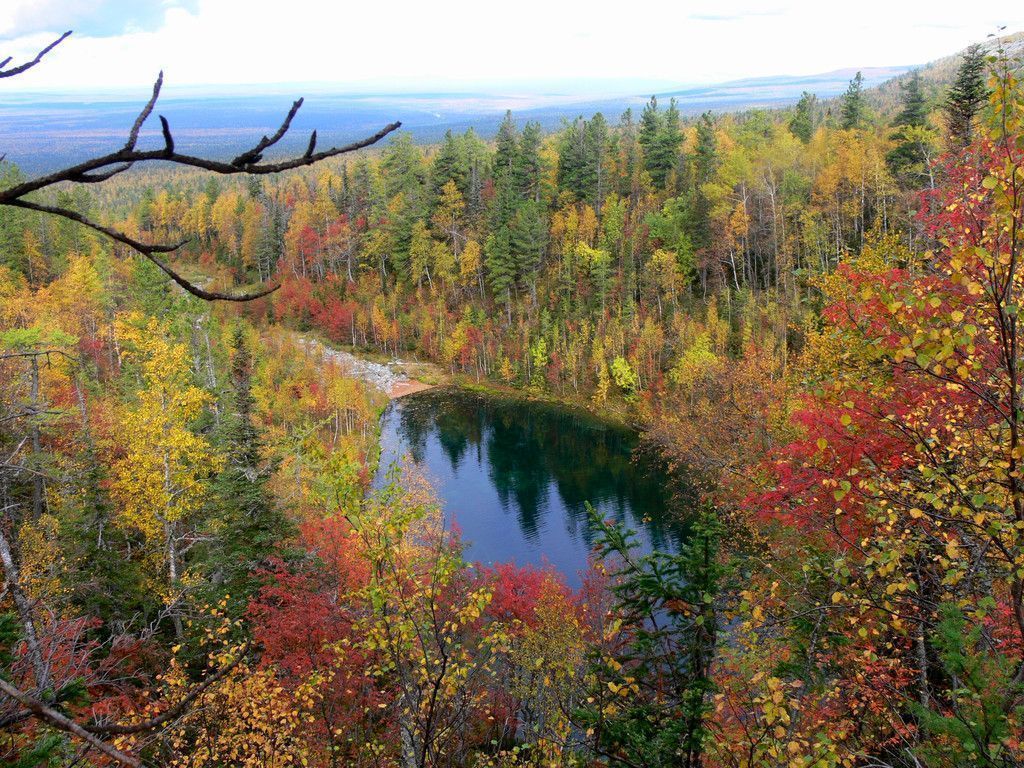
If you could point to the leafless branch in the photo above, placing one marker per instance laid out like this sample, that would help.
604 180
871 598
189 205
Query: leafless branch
255 154
100 169
29 64
149 250
133 135
66 724
178 709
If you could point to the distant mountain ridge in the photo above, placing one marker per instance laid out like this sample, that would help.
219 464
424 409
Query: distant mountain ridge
40 132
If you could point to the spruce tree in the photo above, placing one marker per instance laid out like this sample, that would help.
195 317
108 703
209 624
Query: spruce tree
650 125
853 110
506 152
627 149
528 241
448 165
253 526
705 164
965 98
915 111
908 159
500 266
527 163
404 175
665 152
595 142
801 124
572 158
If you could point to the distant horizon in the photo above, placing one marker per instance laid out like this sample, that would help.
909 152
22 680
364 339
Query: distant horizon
554 88
218 44
34 127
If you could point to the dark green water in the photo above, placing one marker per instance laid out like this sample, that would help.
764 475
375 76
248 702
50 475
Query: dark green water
515 476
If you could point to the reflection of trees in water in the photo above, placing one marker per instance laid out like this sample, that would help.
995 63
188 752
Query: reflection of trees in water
532 447
415 425
517 464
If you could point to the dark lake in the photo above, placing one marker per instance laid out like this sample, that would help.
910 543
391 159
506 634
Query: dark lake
515 475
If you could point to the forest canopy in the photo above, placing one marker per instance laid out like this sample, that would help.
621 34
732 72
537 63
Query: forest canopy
810 312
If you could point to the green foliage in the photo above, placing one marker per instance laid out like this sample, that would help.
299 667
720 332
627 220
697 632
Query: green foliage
965 98
252 524
912 158
971 724
853 110
915 108
801 124
652 691
674 227
625 377
660 136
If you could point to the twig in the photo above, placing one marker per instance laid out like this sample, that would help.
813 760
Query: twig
64 723
29 64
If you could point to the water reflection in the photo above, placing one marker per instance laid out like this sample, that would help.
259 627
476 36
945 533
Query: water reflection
515 476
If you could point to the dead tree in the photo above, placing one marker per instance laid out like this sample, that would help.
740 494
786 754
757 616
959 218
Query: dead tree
99 169
42 697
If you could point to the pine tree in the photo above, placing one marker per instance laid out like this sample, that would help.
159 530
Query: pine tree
595 141
660 137
626 148
572 159
801 124
965 98
404 177
854 110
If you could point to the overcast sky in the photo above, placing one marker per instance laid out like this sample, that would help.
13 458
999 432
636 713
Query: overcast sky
424 44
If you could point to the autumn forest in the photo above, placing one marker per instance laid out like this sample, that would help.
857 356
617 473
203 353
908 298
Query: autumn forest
808 314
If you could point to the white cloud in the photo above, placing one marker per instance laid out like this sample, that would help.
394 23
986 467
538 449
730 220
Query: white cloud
415 44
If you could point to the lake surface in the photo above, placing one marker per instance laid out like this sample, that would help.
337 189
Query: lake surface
515 476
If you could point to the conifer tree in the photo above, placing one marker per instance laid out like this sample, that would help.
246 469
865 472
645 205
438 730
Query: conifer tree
506 154
705 164
909 160
500 266
915 111
666 147
853 110
528 241
965 98
254 526
527 163
801 124
448 166
650 126
572 159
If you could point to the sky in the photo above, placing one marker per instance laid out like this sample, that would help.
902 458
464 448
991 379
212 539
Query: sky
464 45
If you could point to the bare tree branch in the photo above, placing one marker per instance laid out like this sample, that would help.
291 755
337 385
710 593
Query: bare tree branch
178 709
101 168
66 724
149 250
29 64
133 135
255 154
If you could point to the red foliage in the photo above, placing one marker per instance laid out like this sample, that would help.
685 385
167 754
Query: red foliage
302 620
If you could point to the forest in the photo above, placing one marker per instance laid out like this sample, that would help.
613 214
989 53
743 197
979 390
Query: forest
810 313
